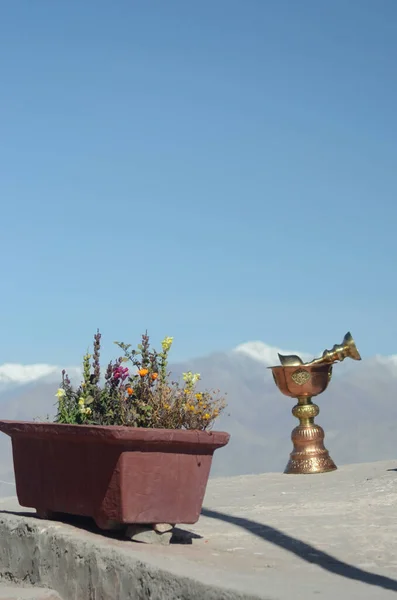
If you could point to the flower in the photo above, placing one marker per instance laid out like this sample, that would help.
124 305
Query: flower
191 378
141 396
120 373
167 343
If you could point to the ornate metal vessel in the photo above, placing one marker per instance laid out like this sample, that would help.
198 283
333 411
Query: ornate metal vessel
303 381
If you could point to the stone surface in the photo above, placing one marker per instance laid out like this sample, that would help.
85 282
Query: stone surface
162 527
271 536
148 535
13 592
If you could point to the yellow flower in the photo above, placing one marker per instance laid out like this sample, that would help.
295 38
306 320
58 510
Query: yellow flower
60 393
190 407
191 378
206 416
167 406
87 410
199 396
81 401
143 372
167 343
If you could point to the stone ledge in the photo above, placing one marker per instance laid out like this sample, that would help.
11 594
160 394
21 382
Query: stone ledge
84 565
13 592
270 536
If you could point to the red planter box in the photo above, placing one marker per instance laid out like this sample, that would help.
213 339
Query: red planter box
121 475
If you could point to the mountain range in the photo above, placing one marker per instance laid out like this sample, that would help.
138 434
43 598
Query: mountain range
357 411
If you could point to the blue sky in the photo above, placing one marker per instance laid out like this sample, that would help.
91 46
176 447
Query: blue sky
220 171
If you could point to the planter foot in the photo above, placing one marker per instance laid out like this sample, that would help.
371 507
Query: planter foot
160 533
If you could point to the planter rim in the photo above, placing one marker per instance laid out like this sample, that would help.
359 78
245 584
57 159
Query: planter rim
115 433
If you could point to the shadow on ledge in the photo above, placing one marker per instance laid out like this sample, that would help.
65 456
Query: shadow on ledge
179 536
305 551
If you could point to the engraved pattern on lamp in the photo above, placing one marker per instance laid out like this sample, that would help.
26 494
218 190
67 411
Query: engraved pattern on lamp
300 377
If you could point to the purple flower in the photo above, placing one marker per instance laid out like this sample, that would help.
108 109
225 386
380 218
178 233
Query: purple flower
120 373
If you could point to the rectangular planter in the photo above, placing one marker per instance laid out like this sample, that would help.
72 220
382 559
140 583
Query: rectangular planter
116 475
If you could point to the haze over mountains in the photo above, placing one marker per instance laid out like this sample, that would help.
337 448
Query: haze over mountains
358 410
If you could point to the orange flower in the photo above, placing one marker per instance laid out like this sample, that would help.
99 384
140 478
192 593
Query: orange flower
130 391
154 376
143 372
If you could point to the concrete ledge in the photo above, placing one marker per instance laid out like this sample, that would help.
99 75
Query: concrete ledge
271 536
13 592
83 565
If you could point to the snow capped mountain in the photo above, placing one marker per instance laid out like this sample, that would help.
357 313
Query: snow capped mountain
266 354
14 375
387 361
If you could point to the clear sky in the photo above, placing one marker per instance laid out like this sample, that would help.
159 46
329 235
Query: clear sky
219 170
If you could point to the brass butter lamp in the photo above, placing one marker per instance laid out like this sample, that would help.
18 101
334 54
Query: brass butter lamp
303 381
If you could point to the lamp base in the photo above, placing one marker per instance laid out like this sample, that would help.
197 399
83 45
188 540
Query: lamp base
309 454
